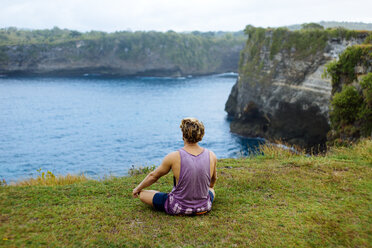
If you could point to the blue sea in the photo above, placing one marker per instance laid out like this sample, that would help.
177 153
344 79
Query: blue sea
104 126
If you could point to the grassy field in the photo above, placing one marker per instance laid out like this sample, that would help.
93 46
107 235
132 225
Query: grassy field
277 200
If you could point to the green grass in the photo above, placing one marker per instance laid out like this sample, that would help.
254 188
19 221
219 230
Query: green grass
276 200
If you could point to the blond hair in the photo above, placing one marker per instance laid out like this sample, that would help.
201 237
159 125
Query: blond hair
192 129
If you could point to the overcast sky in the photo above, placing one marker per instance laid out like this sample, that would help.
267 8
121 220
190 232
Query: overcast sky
177 15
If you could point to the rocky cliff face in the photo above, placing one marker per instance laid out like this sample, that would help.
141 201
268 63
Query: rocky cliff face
280 93
120 57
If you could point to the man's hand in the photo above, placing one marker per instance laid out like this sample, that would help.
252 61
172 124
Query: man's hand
136 192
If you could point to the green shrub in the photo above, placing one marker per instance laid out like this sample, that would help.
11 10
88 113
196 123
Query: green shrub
351 112
343 70
3 56
345 106
311 25
368 40
365 113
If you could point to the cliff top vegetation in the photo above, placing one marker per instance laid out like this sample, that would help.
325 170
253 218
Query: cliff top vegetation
15 36
309 40
279 199
301 44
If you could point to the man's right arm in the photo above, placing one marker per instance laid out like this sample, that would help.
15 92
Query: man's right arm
214 175
153 176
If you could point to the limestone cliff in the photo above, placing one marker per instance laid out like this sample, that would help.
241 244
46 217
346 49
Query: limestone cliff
280 93
119 54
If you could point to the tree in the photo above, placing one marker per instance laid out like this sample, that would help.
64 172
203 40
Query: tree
311 25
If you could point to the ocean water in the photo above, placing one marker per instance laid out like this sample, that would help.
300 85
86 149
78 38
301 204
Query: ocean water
102 126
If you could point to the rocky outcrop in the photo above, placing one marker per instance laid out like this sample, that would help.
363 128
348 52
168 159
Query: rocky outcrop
280 93
121 56
351 102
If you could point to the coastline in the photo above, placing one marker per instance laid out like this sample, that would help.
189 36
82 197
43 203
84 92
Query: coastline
95 75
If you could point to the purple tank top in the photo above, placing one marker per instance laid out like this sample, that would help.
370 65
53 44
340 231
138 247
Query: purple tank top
191 194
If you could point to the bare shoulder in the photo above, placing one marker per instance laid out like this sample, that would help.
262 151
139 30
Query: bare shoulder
212 155
172 156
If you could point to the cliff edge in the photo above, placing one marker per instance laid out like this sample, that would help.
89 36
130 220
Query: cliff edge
280 92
